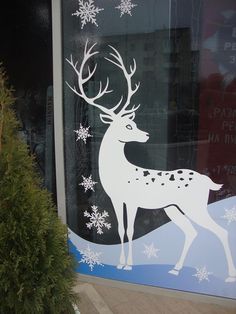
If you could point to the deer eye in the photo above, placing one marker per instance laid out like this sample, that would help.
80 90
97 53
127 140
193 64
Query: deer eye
129 127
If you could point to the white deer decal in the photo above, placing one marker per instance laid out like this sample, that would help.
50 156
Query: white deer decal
183 193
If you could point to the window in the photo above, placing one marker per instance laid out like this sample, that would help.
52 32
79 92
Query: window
143 158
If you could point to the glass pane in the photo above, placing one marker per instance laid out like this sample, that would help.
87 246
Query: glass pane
26 53
149 101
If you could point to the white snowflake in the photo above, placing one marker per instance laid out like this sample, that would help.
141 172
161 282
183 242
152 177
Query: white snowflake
87 12
88 183
125 7
150 250
230 215
97 220
82 133
202 274
91 258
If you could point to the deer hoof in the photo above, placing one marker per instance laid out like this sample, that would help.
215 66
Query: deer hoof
120 266
174 272
230 279
128 267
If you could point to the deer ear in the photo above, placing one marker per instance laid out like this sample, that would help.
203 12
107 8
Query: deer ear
131 116
105 118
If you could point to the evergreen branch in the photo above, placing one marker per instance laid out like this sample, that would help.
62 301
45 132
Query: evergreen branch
1 125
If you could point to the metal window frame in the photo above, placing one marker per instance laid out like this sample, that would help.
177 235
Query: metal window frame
58 109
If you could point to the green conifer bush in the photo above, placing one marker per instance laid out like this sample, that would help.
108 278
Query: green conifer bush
36 271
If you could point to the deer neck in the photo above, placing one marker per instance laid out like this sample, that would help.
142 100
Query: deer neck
111 156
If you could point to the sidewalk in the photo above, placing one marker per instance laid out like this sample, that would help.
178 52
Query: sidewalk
104 299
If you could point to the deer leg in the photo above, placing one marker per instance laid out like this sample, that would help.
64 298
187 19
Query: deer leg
118 206
203 219
189 232
131 214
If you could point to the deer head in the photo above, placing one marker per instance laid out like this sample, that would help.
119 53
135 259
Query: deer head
120 119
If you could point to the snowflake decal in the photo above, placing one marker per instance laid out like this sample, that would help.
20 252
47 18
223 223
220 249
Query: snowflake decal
202 274
230 215
82 133
97 220
88 183
150 250
125 7
91 258
87 12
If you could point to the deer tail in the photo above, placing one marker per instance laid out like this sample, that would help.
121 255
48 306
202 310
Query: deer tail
214 186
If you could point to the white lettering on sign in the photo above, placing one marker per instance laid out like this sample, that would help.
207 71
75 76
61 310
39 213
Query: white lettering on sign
230 46
230 139
229 125
232 59
225 112
213 137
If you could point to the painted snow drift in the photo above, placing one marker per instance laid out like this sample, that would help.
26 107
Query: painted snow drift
205 267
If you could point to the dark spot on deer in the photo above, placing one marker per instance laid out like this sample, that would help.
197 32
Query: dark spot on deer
137 178
178 187
163 184
159 174
179 171
191 173
190 179
147 183
128 181
181 179
146 173
153 179
186 185
172 178
167 173
136 169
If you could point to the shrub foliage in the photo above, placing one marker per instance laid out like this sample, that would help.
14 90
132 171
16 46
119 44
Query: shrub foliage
36 270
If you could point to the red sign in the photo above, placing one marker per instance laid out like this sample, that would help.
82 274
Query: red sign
217 122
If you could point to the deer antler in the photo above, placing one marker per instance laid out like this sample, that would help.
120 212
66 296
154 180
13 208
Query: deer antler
82 80
128 75
102 91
